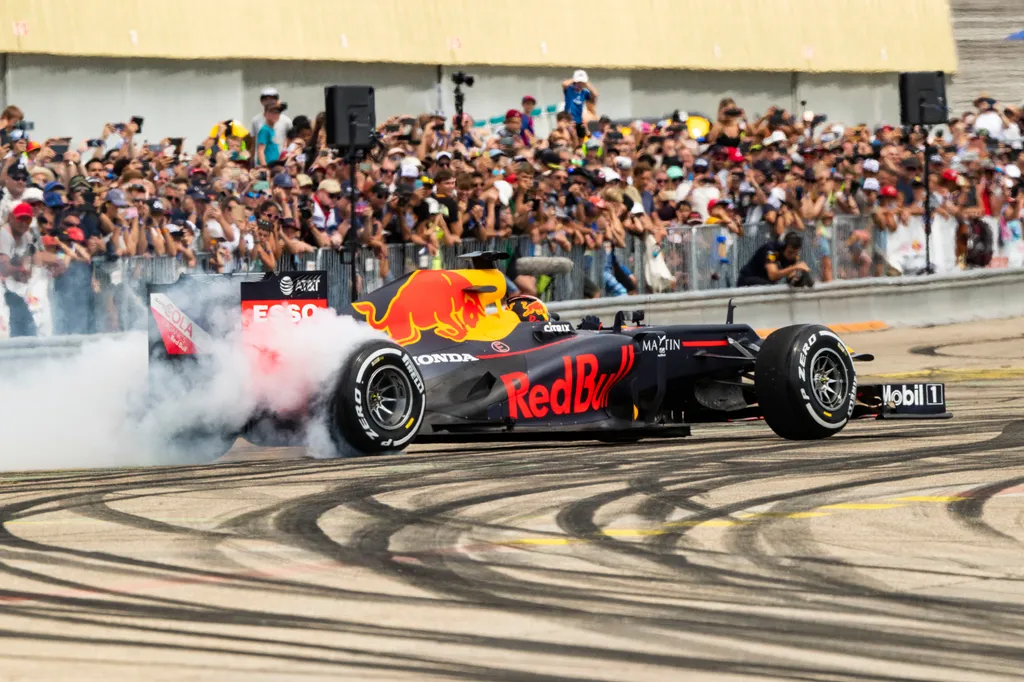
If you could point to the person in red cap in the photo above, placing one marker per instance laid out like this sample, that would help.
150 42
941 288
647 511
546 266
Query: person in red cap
720 212
511 133
529 103
15 238
886 221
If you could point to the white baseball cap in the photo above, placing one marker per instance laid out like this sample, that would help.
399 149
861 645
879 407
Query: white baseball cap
871 185
1011 171
213 230
775 138
34 194
268 92
580 76
870 165
610 175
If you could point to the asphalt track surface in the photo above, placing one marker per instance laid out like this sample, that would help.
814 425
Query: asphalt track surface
891 552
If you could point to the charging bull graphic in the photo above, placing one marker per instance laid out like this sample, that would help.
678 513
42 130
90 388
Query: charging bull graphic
429 300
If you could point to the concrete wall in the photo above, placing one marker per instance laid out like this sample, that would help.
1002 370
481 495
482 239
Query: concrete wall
905 301
76 96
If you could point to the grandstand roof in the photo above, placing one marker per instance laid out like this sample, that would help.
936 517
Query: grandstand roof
769 35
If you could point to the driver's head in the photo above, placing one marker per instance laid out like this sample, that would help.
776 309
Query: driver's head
528 308
791 244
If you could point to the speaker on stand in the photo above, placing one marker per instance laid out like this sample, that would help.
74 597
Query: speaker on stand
350 122
923 103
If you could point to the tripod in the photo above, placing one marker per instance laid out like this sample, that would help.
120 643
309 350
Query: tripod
460 101
921 106
353 246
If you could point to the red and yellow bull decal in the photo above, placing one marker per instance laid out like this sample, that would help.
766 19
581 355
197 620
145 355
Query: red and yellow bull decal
443 302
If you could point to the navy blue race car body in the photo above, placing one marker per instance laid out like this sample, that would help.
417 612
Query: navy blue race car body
459 362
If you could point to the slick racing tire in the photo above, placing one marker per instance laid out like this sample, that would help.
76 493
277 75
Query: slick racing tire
805 382
378 402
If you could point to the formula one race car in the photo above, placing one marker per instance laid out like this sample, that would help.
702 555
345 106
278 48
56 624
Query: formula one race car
460 362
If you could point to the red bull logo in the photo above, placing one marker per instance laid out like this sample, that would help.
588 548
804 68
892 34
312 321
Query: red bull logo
528 309
534 311
434 300
582 388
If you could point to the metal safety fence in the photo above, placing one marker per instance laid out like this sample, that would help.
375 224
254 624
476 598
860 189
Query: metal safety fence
110 295
704 257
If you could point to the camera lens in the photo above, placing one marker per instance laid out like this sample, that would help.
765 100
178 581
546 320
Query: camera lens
460 78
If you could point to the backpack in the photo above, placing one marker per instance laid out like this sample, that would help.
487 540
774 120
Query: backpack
979 244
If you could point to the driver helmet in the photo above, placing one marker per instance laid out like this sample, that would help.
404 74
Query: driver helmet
528 308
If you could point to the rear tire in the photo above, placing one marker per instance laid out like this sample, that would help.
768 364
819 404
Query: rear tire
805 382
378 402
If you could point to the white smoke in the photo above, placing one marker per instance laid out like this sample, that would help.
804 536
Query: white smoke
106 407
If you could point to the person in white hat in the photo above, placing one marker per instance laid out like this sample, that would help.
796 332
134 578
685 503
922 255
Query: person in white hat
579 94
269 96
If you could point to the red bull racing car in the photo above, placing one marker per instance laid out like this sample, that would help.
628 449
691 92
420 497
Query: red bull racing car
457 360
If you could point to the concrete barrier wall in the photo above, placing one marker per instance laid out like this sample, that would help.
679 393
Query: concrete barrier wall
917 301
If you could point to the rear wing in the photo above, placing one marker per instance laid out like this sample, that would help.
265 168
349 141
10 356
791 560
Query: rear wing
187 315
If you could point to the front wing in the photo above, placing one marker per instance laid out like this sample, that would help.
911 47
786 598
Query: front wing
902 401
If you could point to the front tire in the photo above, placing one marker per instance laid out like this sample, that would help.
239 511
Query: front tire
378 402
805 382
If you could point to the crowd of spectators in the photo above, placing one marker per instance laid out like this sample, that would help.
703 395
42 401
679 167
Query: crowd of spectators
258 193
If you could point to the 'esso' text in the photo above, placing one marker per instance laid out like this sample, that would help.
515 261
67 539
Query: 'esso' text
261 312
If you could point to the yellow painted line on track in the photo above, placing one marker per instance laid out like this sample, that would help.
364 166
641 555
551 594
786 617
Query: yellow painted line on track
842 328
931 498
782 515
957 374
863 506
741 519
542 541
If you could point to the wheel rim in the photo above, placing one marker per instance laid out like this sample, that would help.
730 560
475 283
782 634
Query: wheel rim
389 397
829 379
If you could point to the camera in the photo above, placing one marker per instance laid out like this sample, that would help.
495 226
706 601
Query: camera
802 280
460 78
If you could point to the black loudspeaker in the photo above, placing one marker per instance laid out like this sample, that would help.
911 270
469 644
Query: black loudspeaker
923 98
349 103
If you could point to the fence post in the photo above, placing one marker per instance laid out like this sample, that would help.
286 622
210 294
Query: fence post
693 259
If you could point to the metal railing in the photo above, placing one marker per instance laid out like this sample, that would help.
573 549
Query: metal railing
110 296
703 257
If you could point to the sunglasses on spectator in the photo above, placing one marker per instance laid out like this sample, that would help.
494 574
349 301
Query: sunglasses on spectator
337 195
271 216
387 171
71 223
